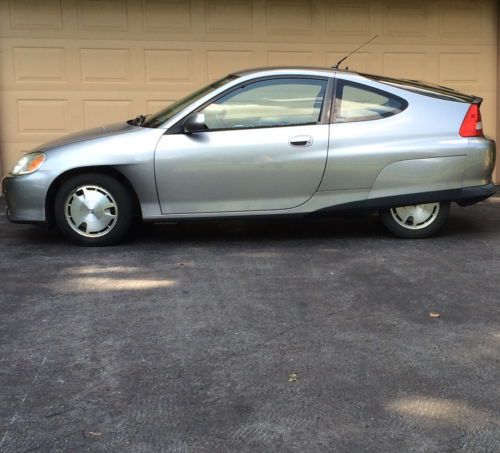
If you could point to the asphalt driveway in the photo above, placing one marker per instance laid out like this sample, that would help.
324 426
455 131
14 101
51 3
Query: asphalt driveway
262 336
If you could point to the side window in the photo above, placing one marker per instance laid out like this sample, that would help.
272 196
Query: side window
357 102
266 103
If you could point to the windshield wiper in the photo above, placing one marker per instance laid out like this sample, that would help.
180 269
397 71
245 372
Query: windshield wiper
139 120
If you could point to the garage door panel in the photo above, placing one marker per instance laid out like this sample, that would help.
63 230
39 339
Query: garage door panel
467 67
102 15
83 62
349 18
39 64
253 21
405 19
289 17
166 16
221 62
168 65
105 65
101 111
33 117
31 15
472 21
229 16
44 116
411 65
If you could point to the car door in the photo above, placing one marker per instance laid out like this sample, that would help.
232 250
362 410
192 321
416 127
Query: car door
264 148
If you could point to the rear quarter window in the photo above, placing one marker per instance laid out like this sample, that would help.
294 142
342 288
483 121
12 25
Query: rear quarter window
425 89
358 102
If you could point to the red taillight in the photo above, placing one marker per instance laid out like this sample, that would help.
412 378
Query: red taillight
472 125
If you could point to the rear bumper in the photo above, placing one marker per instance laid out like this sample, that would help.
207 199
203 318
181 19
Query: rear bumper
464 197
472 195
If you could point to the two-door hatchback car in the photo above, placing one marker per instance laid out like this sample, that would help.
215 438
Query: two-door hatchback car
270 141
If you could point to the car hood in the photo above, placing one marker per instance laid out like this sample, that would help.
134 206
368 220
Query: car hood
89 134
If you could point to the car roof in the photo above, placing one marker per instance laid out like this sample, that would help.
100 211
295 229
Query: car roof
416 86
306 70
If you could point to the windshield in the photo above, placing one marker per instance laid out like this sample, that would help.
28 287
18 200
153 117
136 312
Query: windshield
168 112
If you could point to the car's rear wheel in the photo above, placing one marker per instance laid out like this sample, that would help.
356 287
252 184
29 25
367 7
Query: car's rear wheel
93 210
416 221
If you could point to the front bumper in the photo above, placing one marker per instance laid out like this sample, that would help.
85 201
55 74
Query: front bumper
25 197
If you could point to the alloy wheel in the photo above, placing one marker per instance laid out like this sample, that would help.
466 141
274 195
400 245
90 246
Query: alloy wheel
91 211
415 217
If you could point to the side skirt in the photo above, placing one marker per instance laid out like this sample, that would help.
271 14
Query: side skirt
464 197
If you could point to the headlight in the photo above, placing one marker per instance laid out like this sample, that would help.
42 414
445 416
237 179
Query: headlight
28 164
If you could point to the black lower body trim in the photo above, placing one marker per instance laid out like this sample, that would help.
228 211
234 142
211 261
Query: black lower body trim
464 197
39 223
472 195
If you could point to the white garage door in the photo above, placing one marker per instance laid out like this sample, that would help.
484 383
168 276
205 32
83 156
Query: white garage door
73 64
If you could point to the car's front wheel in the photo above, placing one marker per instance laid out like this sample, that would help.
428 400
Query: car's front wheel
416 221
93 210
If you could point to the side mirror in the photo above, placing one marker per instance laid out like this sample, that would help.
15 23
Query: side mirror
195 123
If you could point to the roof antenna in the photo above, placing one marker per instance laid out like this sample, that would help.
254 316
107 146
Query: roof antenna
354 51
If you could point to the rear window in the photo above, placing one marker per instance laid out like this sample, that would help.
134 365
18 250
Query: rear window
357 102
424 88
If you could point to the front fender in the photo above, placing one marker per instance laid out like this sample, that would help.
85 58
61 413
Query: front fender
131 152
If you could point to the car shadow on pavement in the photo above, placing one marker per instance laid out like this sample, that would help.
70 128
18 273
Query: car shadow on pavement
463 222
256 230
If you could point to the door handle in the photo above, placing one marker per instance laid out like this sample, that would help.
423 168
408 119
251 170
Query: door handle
301 140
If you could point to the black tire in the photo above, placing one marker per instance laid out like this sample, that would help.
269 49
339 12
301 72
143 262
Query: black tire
108 191
436 221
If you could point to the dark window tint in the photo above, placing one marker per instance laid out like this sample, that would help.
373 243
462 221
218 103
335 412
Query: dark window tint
424 88
267 103
357 102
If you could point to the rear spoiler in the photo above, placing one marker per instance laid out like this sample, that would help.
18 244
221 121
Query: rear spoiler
427 89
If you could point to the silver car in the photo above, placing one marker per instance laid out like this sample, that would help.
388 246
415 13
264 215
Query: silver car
271 141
